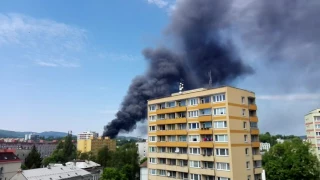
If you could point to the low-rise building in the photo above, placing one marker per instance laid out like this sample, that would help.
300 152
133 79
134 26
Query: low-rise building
9 165
142 149
144 171
95 169
264 146
33 137
53 173
94 144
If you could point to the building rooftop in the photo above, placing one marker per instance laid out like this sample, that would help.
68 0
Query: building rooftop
8 157
83 164
53 173
198 90
144 165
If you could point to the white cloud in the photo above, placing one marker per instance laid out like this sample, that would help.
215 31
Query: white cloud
44 42
159 3
290 97
118 57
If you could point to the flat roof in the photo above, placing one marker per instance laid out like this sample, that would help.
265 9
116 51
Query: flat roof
198 90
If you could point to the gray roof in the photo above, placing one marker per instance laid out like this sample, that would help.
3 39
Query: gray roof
54 173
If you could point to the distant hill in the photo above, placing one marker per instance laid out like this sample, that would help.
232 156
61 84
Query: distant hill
18 134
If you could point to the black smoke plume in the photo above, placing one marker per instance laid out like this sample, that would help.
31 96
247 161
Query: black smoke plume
197 31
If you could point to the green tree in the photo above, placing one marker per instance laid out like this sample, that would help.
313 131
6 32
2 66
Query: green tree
33 160
113 174
65 151
143 160
129 172
103 156
291 160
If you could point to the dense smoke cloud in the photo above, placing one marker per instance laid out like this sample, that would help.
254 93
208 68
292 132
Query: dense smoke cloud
196 31
285 36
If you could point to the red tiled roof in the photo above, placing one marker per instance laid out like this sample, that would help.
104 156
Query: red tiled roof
8 157
145 164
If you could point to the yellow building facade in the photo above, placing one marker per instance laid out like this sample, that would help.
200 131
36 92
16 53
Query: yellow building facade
204 134
94 144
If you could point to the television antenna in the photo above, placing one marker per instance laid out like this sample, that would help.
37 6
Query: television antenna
180 86
210 78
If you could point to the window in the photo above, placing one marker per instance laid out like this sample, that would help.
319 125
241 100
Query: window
193 125
208 165
204 100
162 161
223 178
182 103
182 126
248 165
195 176
153 171
162 106
183 138
243 112
219 98
223 166
171 126
152 118
152 160
194 150
317 118
152 107
171 138
161 127
152 138
220 124
219 111
193 101
181 115
247 151
222 152
318 133
317 126
152 149
244 125
171 116
152 128
161 138
193 114
171 104
253 124
162 149
162 172
245 138
204 112
161 116
195 164
242 100
249 177
221 138
194 138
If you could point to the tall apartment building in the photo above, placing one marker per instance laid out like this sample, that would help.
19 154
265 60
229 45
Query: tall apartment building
312 123
94 144
88 135
204 134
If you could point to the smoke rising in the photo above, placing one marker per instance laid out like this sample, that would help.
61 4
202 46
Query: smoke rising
196 30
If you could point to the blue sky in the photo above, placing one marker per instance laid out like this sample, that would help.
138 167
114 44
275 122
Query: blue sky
66 65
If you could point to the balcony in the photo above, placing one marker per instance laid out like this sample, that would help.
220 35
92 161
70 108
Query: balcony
253 118
206 144
257 170
206 131
165 132
171 121
252 107
171 110
257 157
255 144
205 118
204 106
181 132
255 131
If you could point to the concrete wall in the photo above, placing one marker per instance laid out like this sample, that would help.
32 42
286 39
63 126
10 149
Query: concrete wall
9 170
142 149
144 173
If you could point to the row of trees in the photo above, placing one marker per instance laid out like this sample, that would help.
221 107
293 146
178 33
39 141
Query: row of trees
272 139
293 159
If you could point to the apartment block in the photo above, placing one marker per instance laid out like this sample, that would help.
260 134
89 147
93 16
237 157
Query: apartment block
312 123
204 134
94 144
